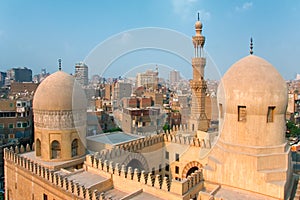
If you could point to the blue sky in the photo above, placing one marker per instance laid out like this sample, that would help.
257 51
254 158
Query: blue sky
36 33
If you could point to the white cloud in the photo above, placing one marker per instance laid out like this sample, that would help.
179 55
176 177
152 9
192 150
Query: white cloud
244 7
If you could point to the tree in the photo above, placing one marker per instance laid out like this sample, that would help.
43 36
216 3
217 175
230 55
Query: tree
292 129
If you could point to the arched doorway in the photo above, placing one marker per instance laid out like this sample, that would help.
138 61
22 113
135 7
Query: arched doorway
38 147
191 170
135 164
136 160
55 149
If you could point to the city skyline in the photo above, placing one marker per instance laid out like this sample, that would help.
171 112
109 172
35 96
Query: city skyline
36 34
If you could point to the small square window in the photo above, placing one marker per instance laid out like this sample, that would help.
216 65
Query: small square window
10 125
176 170
19 124
1 126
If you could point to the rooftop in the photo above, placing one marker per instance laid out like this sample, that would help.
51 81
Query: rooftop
114 138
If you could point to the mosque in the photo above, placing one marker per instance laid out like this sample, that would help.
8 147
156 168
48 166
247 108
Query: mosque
249 159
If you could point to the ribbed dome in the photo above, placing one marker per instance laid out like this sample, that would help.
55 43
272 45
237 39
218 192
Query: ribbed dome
59 91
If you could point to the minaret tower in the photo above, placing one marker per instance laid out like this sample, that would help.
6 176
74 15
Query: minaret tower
198 85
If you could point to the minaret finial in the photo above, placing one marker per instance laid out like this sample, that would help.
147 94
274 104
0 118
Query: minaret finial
59 64
251 46
198 16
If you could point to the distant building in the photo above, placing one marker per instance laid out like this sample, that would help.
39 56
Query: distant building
174 76
142 120
17 87
81 73
149 79
15 121
122 90
2 78
40 77
18 75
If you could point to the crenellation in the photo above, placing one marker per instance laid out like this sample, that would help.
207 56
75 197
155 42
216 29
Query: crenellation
129 173
165 184
136 175
28 149
96 162
95 195
65 184
88 194
157 181
102 196
111 167
76 189
17 149
82 191
51 177
105 166
150 180
117 169
71 186
22 149
143 178
123 171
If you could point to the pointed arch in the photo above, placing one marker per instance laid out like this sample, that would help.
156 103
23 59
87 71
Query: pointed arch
55 149
38 147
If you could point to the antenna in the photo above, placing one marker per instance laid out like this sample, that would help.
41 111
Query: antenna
251 46
59 64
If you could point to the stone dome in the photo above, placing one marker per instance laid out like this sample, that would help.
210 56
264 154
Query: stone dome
57 92
254 84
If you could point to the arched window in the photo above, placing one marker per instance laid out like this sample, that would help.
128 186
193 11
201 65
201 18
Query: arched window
55 149
38 147
75 147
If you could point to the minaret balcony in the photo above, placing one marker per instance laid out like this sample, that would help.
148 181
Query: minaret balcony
199 62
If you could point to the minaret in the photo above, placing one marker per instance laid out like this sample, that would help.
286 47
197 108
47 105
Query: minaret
198 85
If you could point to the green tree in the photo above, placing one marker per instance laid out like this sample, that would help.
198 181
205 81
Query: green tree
292 129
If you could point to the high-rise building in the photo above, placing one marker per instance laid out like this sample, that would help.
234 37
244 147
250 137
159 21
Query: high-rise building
81 73
198 120
174 76
18 75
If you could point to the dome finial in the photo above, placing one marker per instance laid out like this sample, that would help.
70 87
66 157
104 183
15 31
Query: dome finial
198 16
59 64
251 46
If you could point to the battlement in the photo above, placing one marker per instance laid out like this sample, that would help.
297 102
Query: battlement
139 144
128 176
57 180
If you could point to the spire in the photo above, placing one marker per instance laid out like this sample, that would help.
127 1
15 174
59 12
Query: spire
251 46
198 16
59 64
